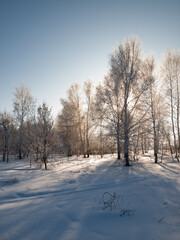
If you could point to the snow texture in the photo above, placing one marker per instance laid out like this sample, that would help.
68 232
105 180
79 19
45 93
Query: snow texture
70 200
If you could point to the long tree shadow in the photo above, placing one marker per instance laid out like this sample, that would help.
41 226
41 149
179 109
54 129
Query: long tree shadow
74 210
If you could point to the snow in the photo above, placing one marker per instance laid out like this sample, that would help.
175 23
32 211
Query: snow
66 202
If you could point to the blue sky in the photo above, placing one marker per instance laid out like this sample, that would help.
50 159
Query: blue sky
50 44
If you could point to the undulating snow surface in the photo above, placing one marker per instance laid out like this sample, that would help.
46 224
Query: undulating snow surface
66 202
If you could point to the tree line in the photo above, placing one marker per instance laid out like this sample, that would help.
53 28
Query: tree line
135 109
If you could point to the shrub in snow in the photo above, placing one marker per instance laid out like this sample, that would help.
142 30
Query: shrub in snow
110 200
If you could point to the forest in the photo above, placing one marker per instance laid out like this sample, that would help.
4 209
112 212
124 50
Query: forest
135 108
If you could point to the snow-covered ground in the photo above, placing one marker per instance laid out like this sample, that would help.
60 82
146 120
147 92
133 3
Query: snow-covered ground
66 202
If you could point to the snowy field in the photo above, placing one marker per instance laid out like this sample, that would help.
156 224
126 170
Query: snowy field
71 200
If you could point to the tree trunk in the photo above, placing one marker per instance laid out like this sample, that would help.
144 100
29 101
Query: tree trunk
4 156
162 151
45 154
169 143
20 153
126 156
20 140
155 142
142 145
153 115
136 145
81 137
126 134
118 139
37 153
101 139
172 120
178 108
156 157
7 153
45 162
87 133
119 154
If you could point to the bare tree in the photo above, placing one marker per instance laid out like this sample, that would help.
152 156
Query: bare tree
99 115
125 69
75 102
6 123
171 75
177 79
113 108
67 129
45 130
23 110
88 89
152 100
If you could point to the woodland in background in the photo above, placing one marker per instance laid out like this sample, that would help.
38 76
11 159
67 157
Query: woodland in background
136 108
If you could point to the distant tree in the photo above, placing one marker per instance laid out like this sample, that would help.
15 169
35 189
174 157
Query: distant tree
99 116
6 123
66 128
31 144
45 131
152 101
88 89
75 122
74 101
23 111
171 75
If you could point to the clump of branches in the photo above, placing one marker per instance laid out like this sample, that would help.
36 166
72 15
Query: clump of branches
111 202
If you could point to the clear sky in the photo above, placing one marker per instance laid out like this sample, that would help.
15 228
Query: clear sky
50 44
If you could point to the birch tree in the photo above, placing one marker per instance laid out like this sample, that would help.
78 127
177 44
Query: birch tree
99 115
88 89
71 122
67 129
45 130
76 105
152 100
113 108
23 110
125 66
171 75
6 123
